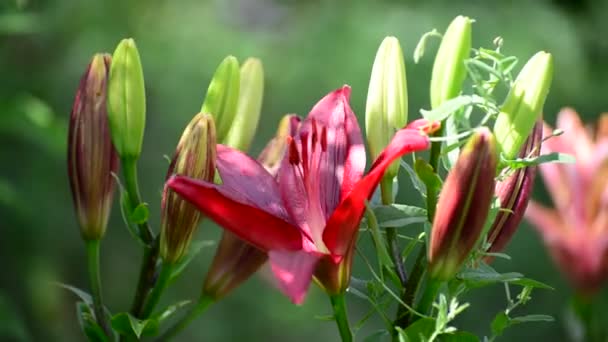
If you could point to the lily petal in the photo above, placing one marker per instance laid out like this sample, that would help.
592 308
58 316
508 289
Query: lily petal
252 224
293 270
342 226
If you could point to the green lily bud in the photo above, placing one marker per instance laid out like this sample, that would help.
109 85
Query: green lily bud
91 157
449 70
194 157
524 104
386 107
251 93
127 100
222 96
463 206
236 260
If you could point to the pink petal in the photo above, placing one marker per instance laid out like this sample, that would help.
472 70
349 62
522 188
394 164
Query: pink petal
293 270
545 220
255 225
342 226
247 181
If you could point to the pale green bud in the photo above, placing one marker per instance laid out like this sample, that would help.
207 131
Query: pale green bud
449 70
386 107
223 95
127 100
251 93
524 104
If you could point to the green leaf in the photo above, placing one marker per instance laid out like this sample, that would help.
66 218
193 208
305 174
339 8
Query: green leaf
421 46
326 318
459 336
384 258
169 311
427 175
500 323
532 318
125 210
416 182
125 324
554 157
531 283
399 215
140 214
88 325
447 108
193 250
377 336
486 275
87 299
421 330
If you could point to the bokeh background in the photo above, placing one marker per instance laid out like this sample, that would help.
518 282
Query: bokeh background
308 48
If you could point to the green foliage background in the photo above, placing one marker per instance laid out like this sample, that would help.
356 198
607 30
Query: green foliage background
308 48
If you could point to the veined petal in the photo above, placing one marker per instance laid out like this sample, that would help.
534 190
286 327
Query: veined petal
247 181
323 161
249 222
344 222
293 271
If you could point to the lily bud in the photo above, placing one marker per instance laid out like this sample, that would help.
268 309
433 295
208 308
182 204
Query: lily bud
194 157
127 100
251 93
449 70
386 107
514 194
236 260
223 96
524 104
463 206
91 157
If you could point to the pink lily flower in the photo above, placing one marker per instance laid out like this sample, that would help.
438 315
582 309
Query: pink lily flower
312 210
576 231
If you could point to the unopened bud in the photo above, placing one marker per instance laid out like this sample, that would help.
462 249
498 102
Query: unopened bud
449 70
514 194
236 260
251 93
127 100
463 205
194 157
222 96
524 104
91 157
386 107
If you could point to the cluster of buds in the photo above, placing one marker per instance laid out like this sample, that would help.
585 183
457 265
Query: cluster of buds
91 156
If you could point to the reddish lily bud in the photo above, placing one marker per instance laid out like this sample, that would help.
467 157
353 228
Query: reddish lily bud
463 205
236 260
514 194
91 156
194 157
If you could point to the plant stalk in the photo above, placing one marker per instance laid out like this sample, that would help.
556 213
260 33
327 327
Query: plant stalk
386 190
161 284
95 283
338 305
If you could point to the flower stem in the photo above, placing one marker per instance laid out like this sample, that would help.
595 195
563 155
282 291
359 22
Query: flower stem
404 317
386 190
338 304
428 296
95 283
129 169
161 284
146 278
203 303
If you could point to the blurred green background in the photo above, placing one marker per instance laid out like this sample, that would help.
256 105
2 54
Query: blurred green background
308 48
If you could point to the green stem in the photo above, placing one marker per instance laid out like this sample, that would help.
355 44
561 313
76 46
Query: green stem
338 304
404 316
129 169
95 283
428 296
146 278
161 284
386 190
203 303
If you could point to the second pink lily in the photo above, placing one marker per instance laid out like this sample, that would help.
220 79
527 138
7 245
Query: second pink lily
312 210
